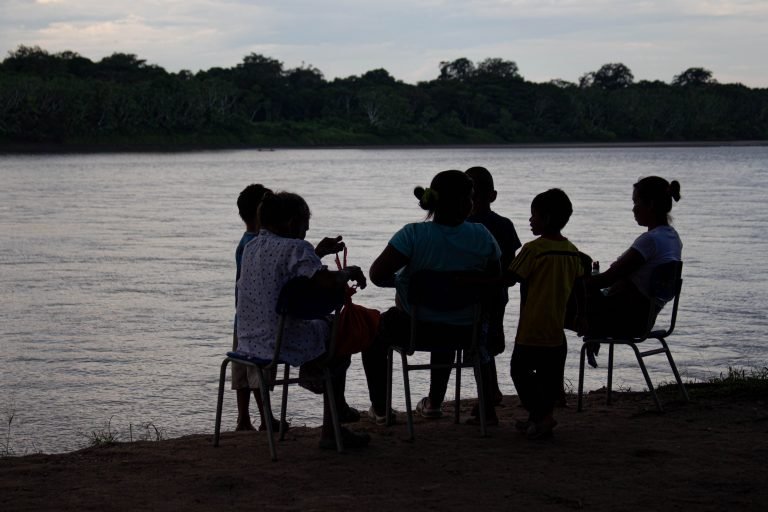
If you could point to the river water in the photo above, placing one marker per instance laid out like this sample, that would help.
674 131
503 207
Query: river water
117 270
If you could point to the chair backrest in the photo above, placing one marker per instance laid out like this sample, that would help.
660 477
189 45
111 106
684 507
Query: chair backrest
666 283
444 291
447 292
301 298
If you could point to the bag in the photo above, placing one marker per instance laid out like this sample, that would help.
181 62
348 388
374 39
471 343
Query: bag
357 325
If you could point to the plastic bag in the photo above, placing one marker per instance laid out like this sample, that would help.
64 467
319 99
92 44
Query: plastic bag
357 325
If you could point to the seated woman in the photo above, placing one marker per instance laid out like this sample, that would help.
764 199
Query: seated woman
447 243
278 254
623 306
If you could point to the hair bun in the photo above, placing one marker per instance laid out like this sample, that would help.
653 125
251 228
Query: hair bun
418 192
674 190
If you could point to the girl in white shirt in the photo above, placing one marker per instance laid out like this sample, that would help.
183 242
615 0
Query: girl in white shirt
623 307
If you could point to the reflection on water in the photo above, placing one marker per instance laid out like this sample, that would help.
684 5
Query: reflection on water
116 271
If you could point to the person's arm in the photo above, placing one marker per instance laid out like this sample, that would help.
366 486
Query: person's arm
623 267
325 278
509 278
328 246
386 265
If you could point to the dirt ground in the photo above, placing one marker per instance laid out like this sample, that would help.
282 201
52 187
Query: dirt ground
708 454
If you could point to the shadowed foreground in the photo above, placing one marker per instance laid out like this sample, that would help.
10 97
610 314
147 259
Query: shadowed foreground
706 455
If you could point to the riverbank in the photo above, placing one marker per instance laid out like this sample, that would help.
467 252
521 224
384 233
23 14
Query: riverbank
63 149
708 454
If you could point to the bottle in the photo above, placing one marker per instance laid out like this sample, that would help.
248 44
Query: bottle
595 268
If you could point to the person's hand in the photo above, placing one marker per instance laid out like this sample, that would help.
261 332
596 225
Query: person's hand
356 274
328 246
582 325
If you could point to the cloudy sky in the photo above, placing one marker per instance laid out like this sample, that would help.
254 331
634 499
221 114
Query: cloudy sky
547 38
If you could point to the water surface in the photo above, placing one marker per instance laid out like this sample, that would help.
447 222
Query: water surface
116 270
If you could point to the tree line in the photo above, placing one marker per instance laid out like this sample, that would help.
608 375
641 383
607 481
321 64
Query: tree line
65 99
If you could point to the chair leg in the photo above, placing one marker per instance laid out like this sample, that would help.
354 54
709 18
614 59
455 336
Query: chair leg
388 403
680 384
480 380
459 361
609 387
407 386
220 401
647 377
284 402
581 376
334 410
264 389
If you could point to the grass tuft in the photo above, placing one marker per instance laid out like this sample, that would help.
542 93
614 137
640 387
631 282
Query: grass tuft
102 437
736 383
10 414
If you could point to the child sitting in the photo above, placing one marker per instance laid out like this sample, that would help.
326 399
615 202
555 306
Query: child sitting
277 255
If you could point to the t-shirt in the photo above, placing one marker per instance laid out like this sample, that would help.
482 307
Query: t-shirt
548 270
247 237
433 246
660 245
270 261
502 229
505 234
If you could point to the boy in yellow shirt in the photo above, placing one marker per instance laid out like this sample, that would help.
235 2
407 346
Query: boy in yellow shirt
547 269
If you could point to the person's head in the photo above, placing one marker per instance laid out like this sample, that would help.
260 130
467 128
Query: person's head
248 203
550 212
448 198
652 200
484 193
285 214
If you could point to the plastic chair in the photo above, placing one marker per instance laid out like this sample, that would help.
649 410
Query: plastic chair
447 292
666 283
298 299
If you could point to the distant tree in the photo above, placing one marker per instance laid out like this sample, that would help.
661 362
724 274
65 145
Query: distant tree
460 69
126 68
498 68
32 60
613 76
258 69
693 76
378 76
587 80
562 84
304 76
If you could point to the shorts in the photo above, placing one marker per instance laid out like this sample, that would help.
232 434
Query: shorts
243 377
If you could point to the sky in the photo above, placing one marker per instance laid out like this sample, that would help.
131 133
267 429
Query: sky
548 39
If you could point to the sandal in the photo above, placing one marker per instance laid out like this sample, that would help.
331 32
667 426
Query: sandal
426 411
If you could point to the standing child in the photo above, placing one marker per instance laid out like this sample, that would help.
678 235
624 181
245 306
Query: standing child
504 232
547 268
243 380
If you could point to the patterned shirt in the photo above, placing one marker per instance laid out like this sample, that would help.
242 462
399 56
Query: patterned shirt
270 261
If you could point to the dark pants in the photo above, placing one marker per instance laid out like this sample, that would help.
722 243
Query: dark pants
394 329
624 311
538 376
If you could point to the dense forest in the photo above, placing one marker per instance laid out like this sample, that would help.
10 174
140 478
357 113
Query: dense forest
66 100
